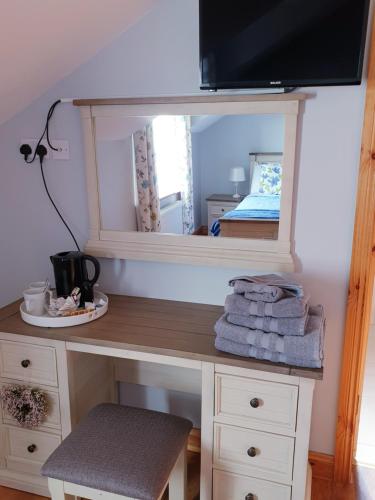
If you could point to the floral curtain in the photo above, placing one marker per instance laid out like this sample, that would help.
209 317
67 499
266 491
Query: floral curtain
187 182
147 188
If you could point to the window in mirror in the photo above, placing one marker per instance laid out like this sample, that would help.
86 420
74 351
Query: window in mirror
209 175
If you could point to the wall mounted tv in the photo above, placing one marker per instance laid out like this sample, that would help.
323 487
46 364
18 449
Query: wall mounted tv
281 43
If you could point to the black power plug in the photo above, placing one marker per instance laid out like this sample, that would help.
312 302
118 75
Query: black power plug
26 151
41 151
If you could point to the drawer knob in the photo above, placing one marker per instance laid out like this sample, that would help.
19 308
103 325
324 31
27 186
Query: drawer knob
249 496
252 451
254 403
31 448
25 363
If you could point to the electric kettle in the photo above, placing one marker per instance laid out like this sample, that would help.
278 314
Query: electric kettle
70 271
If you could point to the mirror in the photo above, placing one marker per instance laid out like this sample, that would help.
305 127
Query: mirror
209 175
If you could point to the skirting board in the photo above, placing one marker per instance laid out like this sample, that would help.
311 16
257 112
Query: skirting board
322 465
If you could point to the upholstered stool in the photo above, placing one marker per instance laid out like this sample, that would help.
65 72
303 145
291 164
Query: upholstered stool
119 452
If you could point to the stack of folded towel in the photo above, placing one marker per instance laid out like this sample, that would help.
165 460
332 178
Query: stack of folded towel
268 317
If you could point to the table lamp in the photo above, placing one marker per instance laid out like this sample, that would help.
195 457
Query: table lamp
237 174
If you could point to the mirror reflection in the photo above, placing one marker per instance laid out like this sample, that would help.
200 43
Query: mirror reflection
209 175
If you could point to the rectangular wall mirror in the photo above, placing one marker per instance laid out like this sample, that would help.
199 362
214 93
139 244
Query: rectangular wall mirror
205 182
207 175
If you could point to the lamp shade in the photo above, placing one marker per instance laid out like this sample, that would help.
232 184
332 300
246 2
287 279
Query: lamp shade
237 174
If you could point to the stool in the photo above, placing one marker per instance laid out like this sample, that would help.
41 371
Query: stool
119 452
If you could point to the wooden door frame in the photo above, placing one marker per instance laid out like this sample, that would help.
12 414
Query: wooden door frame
360 292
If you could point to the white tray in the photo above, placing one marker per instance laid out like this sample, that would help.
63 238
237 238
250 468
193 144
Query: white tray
59 321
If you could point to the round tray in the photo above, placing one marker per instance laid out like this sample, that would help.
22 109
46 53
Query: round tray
61 321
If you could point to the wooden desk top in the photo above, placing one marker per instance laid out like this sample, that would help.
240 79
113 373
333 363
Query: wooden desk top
180 329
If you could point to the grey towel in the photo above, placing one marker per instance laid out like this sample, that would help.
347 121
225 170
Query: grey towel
307 347
282 326
267 288
290 307
260 353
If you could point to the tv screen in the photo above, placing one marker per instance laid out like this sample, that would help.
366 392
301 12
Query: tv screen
281 43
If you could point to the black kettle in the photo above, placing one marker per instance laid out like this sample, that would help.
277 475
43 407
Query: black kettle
70 271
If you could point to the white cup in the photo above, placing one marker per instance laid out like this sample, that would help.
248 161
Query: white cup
35 301
40 285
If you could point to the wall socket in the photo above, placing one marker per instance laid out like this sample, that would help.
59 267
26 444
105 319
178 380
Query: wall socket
63 152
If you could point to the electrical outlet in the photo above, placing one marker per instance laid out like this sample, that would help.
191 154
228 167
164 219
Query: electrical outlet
63 152
32 143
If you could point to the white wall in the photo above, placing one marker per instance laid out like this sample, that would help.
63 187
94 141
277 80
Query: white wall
116 185
160 55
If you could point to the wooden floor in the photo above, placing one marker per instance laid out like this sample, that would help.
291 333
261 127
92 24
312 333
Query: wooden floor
362 489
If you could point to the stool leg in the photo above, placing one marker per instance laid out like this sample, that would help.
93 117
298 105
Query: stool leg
56 488
178 478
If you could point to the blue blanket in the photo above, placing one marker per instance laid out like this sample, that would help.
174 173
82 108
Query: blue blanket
252 207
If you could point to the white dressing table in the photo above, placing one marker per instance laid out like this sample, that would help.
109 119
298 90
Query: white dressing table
255 421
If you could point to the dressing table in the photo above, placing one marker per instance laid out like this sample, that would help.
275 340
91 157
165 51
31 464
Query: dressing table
255 415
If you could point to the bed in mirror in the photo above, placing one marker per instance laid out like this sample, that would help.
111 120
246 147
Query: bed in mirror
207 175
204 180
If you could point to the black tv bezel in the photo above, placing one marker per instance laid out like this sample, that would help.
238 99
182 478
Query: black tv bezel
292 83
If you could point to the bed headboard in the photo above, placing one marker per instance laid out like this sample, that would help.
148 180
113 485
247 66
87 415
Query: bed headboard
256 158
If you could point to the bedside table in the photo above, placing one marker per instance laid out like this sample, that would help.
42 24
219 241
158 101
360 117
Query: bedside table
218 205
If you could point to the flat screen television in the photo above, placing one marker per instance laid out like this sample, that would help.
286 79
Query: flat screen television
281 43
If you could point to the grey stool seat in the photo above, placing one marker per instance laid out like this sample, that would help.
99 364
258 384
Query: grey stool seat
120 449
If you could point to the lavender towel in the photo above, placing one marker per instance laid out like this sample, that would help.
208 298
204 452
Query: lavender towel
290 307
282 326
308 347
267 288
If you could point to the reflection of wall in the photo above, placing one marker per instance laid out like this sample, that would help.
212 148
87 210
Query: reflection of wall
116 185
109 128
227 143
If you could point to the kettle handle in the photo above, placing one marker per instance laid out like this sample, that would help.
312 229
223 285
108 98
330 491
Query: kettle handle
96 266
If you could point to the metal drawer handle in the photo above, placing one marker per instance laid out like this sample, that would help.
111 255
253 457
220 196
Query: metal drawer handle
254 403
25 363
31 448
249 496
252 452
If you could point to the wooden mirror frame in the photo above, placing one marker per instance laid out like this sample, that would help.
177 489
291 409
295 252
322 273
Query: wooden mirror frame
273 255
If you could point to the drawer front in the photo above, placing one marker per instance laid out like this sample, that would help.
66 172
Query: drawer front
253 453
51 421
217 211
31 446
229 486
257 404
29 363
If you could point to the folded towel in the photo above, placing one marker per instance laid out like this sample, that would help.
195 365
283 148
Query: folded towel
260 353
267 288
291 307
282 326
307 347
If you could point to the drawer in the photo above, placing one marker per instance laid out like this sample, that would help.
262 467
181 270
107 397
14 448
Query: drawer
229 486
52 420
28 450
217 211
29 363
253 453
257 404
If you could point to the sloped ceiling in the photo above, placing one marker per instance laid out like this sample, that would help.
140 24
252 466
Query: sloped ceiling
42 41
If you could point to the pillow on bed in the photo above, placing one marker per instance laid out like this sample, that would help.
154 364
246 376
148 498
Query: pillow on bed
266 179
